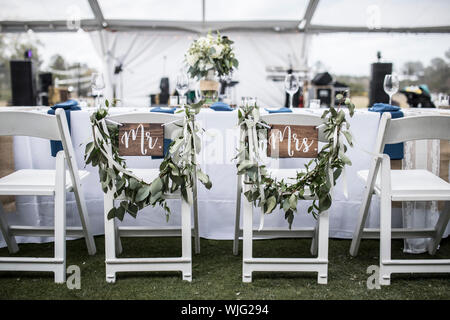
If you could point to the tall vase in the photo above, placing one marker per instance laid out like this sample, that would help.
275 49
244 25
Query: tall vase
209 88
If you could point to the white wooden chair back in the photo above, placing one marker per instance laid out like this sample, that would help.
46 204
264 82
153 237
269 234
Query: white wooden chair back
152 117
33 124
295 119
30 124
411 128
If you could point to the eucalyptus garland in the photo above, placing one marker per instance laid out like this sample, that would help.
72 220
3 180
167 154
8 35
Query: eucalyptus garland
177 171
320 175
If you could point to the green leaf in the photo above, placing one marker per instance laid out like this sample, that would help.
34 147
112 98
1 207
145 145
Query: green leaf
132 210
293 201
204 178
324 202
348 136
245 164
271 204
89 147
142 193
120 212
344 158
133 183
112 213
155 197
156 186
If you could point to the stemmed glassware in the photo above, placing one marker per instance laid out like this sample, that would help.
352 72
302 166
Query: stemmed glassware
291 85
182 85
391 84
97 85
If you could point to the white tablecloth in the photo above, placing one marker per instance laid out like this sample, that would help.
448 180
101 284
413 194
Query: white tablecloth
216 206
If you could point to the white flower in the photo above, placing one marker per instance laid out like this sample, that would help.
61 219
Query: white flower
218 50
191 59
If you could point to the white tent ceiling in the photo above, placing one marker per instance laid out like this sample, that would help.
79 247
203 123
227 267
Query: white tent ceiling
312 16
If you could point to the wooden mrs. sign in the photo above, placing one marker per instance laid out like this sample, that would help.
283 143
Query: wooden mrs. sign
292 141
141 139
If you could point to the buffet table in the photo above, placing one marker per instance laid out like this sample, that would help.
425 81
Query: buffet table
216 206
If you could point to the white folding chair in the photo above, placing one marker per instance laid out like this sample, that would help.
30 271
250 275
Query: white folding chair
44 183
403 185
319 234
113 232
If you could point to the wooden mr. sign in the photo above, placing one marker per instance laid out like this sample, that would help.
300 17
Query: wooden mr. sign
141 139
292 141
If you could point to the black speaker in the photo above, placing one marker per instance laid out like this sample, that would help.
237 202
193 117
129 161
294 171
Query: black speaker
45 81
376 90
23 84
322 79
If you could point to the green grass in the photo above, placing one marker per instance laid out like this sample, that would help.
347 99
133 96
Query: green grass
217 274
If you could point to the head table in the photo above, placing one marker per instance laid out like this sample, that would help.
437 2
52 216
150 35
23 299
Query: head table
217 205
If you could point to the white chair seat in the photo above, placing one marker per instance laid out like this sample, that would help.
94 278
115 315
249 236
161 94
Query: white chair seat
148 175
34 182
288 175
413 185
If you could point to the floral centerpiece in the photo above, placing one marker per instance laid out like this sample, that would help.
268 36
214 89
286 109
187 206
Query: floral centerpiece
208 57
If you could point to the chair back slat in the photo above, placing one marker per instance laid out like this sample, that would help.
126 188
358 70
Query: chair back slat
416 128
30 124
297 120
152 117
68 149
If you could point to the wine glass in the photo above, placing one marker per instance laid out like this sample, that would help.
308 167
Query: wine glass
391 85
291 86
97 85
182 84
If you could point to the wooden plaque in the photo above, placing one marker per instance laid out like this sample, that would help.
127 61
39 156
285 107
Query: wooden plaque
141 139
292 141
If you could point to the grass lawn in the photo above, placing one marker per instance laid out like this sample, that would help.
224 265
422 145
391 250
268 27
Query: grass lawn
217 274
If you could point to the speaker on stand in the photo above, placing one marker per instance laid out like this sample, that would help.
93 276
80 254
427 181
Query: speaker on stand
45 82
23 83
376 90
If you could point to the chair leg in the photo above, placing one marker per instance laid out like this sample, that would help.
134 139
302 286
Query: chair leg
119 248
315 238
4 229
247 239
385 222
84 217
110 237
440 228
237 221
323 235
186 239
60 219
361 222
364 209
196 229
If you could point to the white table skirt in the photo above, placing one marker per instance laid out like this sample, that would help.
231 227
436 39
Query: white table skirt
216 206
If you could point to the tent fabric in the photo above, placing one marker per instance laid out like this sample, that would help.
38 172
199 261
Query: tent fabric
147 56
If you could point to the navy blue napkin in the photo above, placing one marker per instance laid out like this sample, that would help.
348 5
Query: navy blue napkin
220 106
395 151
68 106
281 110
166 141
159 109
